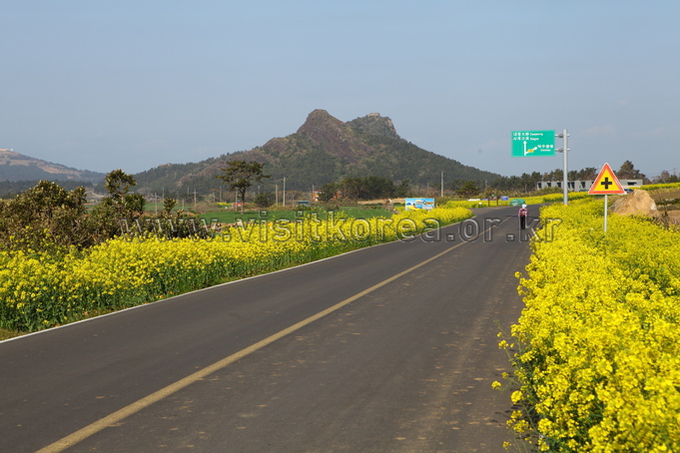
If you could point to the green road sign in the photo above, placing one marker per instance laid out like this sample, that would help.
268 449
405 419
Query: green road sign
533 143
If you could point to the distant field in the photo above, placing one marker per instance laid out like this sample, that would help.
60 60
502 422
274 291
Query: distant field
232 217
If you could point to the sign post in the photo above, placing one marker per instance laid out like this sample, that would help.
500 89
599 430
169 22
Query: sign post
605 184
540 143
533 143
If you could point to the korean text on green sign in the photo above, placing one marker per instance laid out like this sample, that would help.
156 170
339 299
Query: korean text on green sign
533 143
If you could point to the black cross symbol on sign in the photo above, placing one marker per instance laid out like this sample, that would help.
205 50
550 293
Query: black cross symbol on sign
606 183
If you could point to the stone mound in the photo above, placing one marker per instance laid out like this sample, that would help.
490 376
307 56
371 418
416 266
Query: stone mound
637 203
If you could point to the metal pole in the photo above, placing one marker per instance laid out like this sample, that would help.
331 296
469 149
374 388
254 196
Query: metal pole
605 213
565 178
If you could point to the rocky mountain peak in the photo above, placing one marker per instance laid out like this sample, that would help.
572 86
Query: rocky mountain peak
374 124
336 137
325 149
320 121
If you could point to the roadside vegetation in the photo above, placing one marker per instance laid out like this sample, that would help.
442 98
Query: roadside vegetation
596 351
61 262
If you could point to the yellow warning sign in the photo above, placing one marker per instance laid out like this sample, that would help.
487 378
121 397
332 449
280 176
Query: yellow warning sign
606 183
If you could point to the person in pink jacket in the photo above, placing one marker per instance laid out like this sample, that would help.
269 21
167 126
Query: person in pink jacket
522 214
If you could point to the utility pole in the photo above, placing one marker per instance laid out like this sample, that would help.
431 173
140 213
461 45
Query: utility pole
442 189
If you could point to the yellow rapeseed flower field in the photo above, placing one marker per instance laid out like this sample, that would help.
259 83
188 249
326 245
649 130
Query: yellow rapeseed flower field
599 340
41 290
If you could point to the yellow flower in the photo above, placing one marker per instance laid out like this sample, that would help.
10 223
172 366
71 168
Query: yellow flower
516 396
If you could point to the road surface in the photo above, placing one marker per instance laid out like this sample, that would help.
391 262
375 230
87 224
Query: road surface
391 348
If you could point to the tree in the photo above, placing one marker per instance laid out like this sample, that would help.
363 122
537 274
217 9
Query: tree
45 218
468 189
666 177
239 175
168 206
263 200
588 173
403 189
118 207
628 171
126 205
368 188
328 191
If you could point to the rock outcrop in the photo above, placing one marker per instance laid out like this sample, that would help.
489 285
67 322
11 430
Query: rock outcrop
637 203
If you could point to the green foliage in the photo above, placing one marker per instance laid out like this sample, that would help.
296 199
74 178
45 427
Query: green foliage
239 175
628 171
666 177
10 189
328 191
526 182
367 188
264 200
400 160
46 217
403 189
119 207
169 178
468 189
169 205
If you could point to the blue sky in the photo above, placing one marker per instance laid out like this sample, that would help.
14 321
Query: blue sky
135 84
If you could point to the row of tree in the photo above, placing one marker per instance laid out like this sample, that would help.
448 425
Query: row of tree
240 175
364 188
528 182
49 218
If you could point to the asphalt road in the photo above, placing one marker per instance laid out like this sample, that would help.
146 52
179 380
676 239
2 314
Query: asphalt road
402 360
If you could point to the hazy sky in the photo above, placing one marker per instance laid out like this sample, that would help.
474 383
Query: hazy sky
100 85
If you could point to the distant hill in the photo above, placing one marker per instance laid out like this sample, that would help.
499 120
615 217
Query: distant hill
324 149
17 167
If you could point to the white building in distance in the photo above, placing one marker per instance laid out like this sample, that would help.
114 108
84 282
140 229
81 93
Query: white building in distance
584 186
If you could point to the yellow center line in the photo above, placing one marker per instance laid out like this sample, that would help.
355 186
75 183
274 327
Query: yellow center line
148 400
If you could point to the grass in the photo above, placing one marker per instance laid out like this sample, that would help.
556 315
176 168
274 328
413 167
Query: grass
6 334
